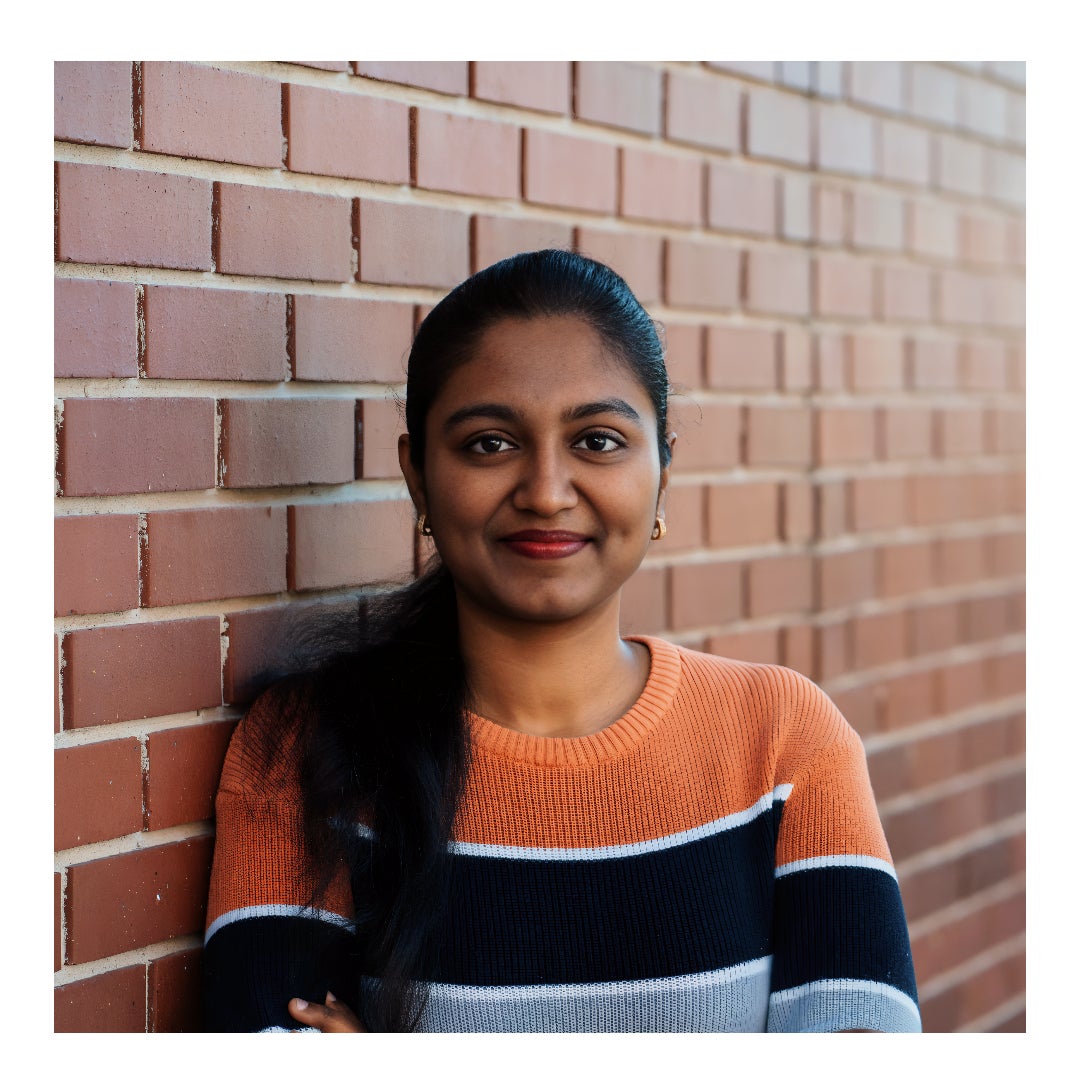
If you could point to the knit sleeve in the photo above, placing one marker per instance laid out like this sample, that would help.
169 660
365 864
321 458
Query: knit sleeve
268 937
841 953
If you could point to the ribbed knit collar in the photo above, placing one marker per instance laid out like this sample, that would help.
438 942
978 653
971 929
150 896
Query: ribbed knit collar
617 738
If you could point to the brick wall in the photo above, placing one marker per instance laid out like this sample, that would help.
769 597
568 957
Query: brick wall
242 252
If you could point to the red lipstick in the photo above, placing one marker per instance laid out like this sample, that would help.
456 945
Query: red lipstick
545 543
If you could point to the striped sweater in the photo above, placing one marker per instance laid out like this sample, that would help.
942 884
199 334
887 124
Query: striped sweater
712 861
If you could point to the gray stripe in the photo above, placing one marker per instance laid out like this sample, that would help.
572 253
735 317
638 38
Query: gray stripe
838 1004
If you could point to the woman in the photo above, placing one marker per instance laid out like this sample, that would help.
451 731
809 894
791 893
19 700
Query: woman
496 813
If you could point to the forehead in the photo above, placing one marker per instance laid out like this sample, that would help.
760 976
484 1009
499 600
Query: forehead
541 359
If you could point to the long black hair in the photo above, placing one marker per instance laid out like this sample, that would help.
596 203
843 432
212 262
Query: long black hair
383 735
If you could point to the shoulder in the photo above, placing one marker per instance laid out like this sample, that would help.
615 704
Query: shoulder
265 749
799 715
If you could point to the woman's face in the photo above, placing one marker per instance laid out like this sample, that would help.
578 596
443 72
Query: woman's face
542 476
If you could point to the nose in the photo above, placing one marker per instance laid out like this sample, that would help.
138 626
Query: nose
546 485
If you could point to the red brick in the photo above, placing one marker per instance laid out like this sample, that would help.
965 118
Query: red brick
934 94
782 584
467 155
496 238
905 154
983 239
1016 367
907 432
877 221
831 361
934 364
778 126
267 642
57 667
831 513
906 700
113 447
701 274
195 111
349 543
778 282
961 686
797 513
844 435
877 362
564 171
741 357
844 287
797 648
130 672
741 515
132 218
621 94
762 70
58 930
97 792
830 214
905 569
382 421
702 111
336 134
1008 674
344 340
95 564
742 200
685 518
215 334
879 639
529 84
845 140
113 1002
796 207
960 432
708 435
284 234
986 618
1016 243
197 555
933 500
796 358
833 648
636 257
846 577
1006 177
683 355
879 503
1005 303
443 76
661 187
859 706
413 245
183 769
174 992
963 298
643 604
960 165
95 333
906 293
778 435
92 102
705 594
1007 554
878 83
961 560
753 646
129 901
933 230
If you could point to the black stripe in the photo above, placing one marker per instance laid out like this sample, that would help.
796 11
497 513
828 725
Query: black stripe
695 907
252 967
841 923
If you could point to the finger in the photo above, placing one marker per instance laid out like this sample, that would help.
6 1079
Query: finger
329 1018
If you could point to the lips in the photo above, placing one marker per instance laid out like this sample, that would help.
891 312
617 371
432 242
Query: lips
545 543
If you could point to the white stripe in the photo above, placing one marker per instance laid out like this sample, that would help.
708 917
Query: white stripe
622 851
703 980
849 987
867 862
258 911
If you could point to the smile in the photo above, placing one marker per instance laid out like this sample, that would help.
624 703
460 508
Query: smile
545 544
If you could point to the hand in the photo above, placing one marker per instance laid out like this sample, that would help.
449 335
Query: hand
333 1016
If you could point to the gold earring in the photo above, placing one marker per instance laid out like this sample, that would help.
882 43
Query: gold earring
659 529
422 527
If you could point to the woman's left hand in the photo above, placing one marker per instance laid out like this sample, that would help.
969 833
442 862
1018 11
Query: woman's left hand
332 1016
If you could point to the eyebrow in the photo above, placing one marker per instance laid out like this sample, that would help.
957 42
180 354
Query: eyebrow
494 411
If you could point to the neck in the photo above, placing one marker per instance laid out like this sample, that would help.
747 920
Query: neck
551 679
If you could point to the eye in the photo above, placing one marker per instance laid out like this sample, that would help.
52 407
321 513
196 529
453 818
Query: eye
489 444
600 442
